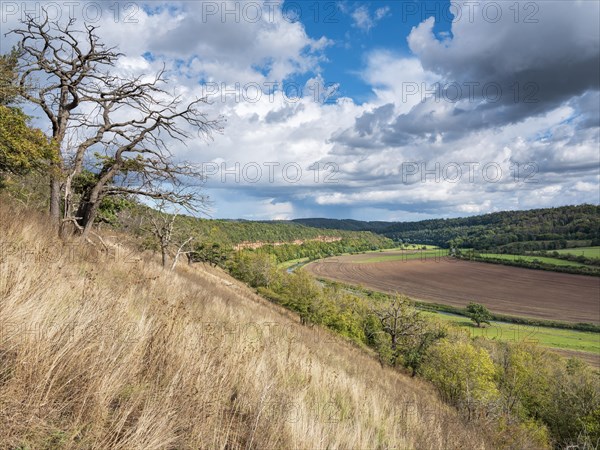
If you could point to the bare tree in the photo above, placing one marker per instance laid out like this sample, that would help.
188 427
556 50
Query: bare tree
410 334
162 227
137 159
398 319
180 251
73 69
55 61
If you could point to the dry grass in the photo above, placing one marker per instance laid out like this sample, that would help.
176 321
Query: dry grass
102 352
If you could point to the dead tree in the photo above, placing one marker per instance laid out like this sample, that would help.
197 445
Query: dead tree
399 319
55 62
180 251
409 332
136 158
162 227
133 156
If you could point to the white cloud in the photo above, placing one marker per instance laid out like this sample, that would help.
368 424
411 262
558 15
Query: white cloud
586 187
368 143
221 46
364 20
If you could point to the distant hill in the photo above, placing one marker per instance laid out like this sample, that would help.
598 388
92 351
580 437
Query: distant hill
536 229
232 232
344 224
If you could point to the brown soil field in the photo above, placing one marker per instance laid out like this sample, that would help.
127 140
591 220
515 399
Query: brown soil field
504 290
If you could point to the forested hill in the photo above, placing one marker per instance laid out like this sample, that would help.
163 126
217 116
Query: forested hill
140 220
345 224
234 232
534 229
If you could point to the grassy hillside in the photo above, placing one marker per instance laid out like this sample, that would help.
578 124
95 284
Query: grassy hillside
99 350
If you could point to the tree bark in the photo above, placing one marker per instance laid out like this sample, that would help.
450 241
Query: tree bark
55 200
86 214
164 256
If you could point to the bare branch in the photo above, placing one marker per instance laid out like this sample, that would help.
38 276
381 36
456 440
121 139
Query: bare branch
71 67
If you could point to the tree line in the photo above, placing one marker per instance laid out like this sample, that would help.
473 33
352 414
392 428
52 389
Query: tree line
536 229
177 236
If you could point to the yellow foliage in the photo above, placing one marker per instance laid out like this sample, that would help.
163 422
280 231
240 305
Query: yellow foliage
465 375
22 148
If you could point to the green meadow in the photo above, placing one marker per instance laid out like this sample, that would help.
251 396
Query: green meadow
543 259
582 341
588 252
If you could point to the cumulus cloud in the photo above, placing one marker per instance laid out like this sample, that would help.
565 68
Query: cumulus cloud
397 155
364 20
362 17
551 57
538 120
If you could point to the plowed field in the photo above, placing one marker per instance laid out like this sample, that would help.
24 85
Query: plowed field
504 290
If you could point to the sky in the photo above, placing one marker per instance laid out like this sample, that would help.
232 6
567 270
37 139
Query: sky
402 110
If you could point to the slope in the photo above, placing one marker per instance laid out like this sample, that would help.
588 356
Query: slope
100 348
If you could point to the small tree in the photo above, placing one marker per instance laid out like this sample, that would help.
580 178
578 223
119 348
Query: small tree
256 268
405 334
170 240
398 319
415 353
212 253
22 148
464 375
479 314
